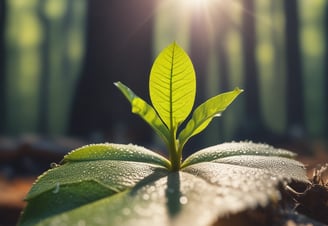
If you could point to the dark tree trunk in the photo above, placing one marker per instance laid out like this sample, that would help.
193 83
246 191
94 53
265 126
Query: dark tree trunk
326 67
67 26
253 123
223 25
294 82
253 112
43 122
119 44
223 62
199 54
2 66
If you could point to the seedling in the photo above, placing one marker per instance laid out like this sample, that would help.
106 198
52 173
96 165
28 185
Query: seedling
117 184
172 88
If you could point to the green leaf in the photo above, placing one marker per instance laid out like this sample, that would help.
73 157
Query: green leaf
204 114
112 151
239 149
145 111
172 85
107 190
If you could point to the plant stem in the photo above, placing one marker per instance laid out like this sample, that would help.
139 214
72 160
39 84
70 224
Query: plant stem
174 156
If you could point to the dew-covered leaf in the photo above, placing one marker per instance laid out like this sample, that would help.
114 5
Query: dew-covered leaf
110 151
236 149
213 183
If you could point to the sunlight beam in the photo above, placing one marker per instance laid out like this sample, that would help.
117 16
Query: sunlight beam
199 3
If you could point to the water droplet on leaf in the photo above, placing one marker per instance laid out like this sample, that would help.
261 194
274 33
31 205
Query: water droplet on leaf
56 190
145 197
53 165
126 211
183 200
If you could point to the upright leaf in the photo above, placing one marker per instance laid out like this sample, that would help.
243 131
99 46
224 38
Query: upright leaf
145 111
204 114
172 85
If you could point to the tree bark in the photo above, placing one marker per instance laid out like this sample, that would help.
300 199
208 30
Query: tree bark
223 25
294 82
252 127
2 66
253 111
199 54
326 67
118 48
43 118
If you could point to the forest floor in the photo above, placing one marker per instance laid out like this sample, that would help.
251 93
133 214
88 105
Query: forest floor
311 207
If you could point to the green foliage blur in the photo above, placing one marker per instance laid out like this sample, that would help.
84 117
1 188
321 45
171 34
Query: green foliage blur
45 43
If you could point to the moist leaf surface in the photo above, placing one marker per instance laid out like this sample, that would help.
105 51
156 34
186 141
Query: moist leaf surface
236 177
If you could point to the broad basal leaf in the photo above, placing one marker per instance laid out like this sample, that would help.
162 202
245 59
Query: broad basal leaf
172 85
145 111
96 188
204 114
221 151
112 151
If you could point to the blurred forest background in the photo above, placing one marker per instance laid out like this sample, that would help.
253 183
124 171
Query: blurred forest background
59 59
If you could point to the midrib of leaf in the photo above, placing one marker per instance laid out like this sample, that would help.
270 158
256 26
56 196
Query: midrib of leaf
172 86
171 92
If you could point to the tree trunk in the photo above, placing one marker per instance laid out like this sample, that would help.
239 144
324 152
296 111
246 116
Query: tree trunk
223 25
223 62
294 82
253 112
199 54
118 48
326 67
253 127
43 122
2 66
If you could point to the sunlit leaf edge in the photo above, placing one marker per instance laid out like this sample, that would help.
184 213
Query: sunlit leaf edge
145 111
235 149
113 151
205 112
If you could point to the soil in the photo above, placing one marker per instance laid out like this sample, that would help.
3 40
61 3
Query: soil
12 193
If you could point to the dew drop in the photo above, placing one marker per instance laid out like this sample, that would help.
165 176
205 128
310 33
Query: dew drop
126 211
218 115
213 180
56 190
183 200
53 165
81 223
145 197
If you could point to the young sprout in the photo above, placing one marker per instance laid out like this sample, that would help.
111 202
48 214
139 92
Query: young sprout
172 89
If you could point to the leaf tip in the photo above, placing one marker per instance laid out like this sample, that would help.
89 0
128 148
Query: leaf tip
237 89
117 83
